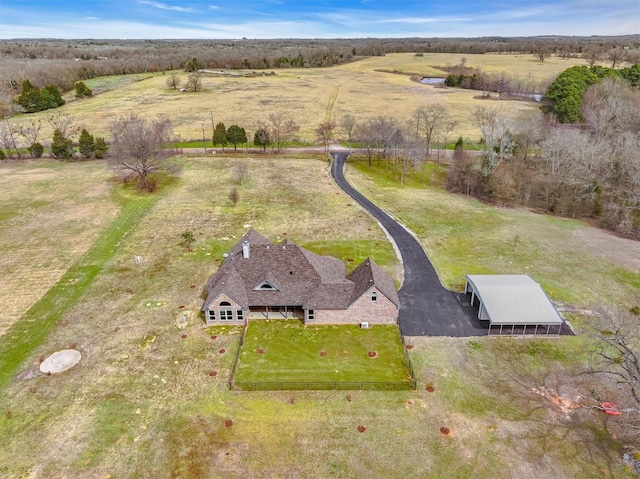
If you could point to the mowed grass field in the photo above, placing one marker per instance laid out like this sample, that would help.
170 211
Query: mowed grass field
51 213
307 95
143 403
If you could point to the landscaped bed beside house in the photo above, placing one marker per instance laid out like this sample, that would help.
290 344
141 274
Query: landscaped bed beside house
288 355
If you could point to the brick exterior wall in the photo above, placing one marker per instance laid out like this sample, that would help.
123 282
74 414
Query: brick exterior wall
381 311
215 306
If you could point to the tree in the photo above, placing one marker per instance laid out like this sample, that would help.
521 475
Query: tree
61 146
139 149
173 81
61 121
565 93
188 239
82 90
192 65
194 81
616 354
240 173
324 134
429 120
100 148
30 98
615 56
234 196
542 51
30 131
8 138
86 144
592 54
348 124
236 135
498 141
282 129
50 97
220 135
262 138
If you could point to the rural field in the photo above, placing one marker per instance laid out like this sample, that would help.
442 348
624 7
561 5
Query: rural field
364 88
143 402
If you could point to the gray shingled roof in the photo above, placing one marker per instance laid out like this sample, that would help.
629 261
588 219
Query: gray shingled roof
368 274
302 278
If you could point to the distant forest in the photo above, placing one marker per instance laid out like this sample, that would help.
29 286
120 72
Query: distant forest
63 62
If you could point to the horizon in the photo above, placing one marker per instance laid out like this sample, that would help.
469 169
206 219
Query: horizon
301 19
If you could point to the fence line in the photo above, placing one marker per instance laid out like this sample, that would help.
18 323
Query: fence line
406 355
237 358
325 386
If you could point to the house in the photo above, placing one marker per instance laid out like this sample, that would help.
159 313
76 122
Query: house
262 280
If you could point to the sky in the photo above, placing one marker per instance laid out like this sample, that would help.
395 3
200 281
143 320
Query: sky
223 19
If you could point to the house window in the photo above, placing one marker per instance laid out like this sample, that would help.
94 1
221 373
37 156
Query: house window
212 315
266 286
311 314
226 314
239 315
374 296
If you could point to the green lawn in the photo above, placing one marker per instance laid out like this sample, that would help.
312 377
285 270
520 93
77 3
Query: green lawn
289 352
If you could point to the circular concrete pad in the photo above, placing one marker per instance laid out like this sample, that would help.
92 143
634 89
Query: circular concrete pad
60 361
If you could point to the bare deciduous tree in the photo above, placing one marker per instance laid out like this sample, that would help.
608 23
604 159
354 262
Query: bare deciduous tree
8 133
240 173
498 141
30 131
324 134
234 196
194 82
282 129
616 353
139 148
429 120
348 123
62 122
173 81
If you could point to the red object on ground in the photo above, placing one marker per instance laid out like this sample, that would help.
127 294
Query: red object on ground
610 408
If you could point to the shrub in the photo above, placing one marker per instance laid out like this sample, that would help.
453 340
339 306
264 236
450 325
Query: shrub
2 155
35 150
100 148
61 147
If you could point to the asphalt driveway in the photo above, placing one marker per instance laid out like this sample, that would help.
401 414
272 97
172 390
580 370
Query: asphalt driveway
426 307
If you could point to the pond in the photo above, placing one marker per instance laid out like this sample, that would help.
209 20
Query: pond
432 80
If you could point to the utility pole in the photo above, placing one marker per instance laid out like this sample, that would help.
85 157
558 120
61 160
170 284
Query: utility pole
213 129
204 140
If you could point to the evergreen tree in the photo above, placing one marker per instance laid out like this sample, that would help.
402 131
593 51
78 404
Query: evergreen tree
51 97
61 147
100 148
86 144
30 98
82 90
220 135
236 135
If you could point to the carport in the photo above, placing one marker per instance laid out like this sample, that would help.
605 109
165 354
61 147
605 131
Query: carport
513 304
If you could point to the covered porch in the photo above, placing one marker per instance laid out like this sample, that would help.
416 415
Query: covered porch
276 312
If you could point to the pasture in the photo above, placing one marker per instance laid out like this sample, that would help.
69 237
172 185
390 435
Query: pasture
143 402
307 95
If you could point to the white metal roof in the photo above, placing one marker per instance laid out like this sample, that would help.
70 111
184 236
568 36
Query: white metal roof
514 300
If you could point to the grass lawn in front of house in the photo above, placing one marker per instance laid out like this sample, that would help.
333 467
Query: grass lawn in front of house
290 352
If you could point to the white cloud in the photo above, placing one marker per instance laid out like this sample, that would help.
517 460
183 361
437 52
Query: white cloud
164 6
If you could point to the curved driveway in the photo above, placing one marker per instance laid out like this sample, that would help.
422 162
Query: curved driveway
426 307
